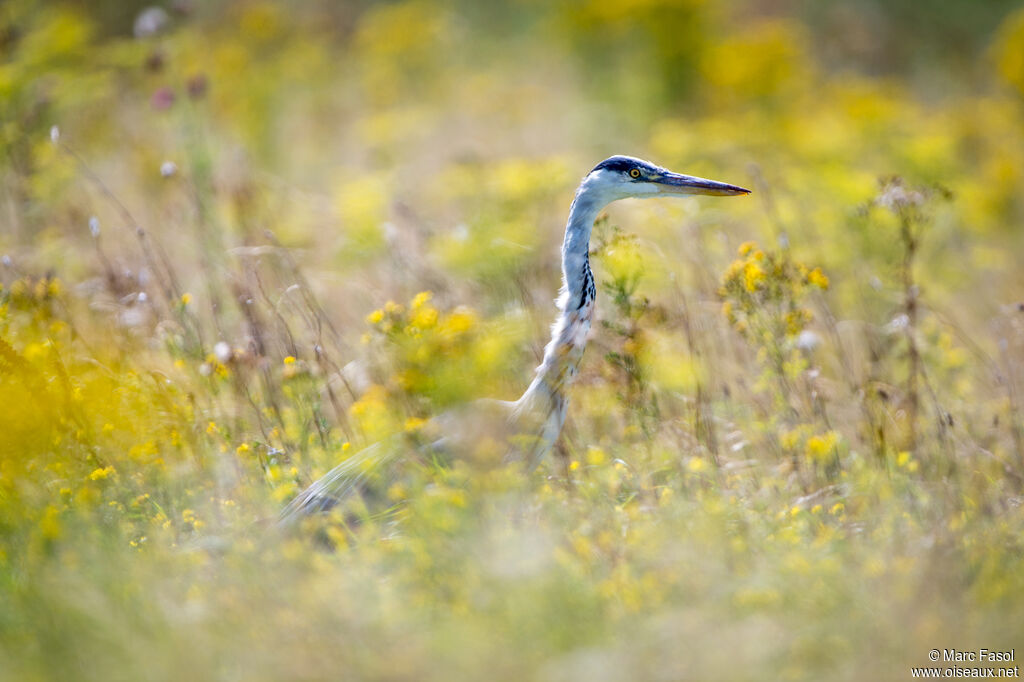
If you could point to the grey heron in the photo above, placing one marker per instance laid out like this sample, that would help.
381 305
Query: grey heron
526 429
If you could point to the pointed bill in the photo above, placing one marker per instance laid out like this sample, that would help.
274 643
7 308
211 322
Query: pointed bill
675 183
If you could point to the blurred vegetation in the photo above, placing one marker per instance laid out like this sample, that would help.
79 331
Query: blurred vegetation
242 240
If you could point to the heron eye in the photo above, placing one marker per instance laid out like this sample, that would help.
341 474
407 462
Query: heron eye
634 173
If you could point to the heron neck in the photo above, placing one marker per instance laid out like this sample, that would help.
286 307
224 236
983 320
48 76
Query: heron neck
564 351
577 278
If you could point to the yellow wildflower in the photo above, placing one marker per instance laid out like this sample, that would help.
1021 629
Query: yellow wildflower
103 473
817 278
459 321
596 456
420 299
189 517
819 447
753 276
423 317
905 461
796 320
413 423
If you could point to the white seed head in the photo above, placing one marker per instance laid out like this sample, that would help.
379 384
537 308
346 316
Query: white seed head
168 168
808 340
222 351
54 134
94 226
150 21
896 197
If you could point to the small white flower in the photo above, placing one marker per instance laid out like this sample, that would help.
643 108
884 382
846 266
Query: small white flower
205 369
150 21
898 323
168 168
6 260
808 340
223 351
94 226
142 297
54 134
896 196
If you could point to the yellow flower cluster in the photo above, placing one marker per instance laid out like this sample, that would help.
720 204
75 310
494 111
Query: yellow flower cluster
102 473
765 290
821 447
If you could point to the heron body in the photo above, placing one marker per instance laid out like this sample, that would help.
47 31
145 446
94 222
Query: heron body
527 429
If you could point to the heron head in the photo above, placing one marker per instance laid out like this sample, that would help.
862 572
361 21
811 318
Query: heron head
620 177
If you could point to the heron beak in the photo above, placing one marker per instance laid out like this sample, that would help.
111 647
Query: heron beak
674 183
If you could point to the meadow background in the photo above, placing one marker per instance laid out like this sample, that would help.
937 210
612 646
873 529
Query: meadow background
243 240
